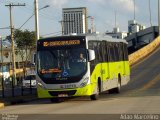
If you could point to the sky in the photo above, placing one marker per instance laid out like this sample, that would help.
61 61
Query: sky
103 12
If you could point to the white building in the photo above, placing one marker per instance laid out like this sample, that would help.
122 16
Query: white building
6 57
117 34
74 20
134 27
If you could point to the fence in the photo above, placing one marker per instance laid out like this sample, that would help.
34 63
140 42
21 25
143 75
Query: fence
23 88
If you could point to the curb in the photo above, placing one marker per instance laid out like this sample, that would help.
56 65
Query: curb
1 105
14 101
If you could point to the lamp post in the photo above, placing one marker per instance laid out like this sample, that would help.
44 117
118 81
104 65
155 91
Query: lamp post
2 82
134 9
92 23
32 16
150 14
158 18
36 19
1 57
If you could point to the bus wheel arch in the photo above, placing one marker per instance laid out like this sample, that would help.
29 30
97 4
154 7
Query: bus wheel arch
99 88
99 85
118 88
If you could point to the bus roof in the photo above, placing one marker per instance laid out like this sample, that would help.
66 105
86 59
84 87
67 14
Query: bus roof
103 37
93 37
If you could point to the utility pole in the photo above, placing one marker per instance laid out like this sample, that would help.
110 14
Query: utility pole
150 14
36 19
92 24
158 18
134 9
115 19
12 39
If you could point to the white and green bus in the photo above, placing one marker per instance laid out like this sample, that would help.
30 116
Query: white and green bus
81 65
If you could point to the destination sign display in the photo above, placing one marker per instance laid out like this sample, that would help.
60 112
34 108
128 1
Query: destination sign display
60 43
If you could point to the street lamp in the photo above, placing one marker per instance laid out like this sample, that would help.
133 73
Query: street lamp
32 16
2 82
92 23
158 18
36 18
1 60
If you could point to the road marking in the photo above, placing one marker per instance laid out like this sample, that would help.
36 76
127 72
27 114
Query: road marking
151 83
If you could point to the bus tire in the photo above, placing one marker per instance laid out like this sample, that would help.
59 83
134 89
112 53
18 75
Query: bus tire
55 100
94 97
118 88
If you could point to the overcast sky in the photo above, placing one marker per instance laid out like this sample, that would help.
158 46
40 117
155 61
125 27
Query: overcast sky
103 12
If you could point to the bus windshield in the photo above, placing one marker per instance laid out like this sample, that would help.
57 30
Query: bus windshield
61 63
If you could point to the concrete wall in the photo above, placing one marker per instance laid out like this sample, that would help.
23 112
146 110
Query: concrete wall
143 52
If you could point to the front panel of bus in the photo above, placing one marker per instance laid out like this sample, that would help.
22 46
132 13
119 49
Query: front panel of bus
62 67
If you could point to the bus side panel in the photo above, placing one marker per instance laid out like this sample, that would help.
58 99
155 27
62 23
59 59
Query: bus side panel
105 75
126 75
94 77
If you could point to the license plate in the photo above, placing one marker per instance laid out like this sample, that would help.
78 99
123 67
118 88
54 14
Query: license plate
62 95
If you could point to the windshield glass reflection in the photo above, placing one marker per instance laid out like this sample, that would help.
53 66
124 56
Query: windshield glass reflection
62 63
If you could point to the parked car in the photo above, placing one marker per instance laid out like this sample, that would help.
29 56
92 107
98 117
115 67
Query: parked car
29 79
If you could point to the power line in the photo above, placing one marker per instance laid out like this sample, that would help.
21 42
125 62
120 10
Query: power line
30 9
32 16
5 28
56 33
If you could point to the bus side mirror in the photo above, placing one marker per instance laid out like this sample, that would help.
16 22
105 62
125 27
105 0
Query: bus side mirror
33 59
91 55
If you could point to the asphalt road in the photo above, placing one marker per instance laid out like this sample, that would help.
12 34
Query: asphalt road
140 96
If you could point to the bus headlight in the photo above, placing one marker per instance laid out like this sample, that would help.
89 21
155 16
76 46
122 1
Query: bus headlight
41 85
85 81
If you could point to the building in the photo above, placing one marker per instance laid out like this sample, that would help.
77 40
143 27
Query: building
117 34
141 38
74 20
134 27
6 57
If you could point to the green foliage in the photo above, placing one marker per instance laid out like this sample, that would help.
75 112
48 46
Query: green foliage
24 39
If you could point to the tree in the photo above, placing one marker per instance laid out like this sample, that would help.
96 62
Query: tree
25 41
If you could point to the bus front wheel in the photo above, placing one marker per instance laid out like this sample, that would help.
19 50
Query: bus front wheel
55 100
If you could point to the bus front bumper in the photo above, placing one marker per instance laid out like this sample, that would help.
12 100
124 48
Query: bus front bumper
84 91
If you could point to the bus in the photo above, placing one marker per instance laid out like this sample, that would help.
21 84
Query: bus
81 65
